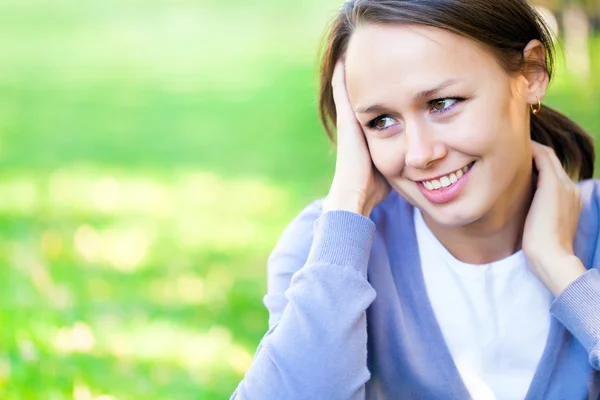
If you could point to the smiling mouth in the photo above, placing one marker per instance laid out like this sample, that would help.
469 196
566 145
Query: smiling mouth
447 180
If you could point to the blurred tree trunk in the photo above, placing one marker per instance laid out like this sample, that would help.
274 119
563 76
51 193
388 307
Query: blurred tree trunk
576 28
576 17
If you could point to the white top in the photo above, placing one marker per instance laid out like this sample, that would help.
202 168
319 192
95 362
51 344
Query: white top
494 317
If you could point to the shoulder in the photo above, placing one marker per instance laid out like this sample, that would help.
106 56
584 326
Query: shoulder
589 188
296 240
292 248
298 234
289 256
590 196
587 235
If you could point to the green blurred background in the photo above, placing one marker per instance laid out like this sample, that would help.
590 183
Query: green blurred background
151 153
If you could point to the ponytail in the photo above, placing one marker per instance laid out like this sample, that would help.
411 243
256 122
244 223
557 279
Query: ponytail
573 146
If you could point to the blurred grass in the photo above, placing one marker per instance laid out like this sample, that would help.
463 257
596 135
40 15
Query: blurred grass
151 153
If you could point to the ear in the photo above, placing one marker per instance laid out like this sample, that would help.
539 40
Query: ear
535 71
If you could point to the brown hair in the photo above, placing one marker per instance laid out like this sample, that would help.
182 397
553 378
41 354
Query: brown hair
504 26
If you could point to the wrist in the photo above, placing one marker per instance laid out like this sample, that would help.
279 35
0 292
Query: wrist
350 203
560 272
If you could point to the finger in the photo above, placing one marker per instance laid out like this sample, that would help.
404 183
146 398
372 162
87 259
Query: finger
547 158
560 171
547 171
551 171
348 127
542 161
340 93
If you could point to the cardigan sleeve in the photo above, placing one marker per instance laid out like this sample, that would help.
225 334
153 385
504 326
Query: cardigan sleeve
578 309
318 294
578 306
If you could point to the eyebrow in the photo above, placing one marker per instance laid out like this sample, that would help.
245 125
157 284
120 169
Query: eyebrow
378 108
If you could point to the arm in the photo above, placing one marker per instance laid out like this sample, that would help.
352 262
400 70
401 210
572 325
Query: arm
578 308
560 239
316 346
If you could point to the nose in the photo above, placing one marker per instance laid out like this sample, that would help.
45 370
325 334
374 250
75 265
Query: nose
422 148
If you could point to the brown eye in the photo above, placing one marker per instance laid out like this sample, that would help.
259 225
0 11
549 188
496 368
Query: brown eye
438 105
380 123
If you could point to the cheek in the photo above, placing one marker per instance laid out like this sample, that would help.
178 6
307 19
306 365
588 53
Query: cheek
477 136
502 132
485 129
387 156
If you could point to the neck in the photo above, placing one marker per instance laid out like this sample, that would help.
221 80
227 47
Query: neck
496 235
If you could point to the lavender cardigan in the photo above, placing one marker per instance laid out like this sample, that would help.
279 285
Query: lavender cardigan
350 317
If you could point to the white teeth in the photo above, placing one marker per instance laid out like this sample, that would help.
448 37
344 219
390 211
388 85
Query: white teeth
445 181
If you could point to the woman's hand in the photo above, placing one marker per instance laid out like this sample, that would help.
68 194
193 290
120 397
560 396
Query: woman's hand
357 185
551 223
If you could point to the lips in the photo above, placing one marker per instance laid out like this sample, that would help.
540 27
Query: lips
444 194
446 180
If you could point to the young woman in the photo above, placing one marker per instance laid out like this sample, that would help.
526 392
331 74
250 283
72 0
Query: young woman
454 256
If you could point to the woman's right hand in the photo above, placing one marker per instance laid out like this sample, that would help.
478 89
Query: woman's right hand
357 185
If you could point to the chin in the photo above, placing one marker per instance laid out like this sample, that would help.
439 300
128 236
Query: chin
454 214
451 217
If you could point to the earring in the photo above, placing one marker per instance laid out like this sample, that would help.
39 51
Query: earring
539 106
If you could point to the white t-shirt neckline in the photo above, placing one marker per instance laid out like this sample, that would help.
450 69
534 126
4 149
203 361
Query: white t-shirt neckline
495 318
503 266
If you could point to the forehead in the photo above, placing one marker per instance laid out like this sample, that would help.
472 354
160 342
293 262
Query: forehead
412 58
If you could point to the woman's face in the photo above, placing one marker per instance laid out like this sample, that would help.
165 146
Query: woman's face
431 104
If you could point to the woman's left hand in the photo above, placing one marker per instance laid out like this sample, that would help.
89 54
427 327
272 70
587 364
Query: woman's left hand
551 223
